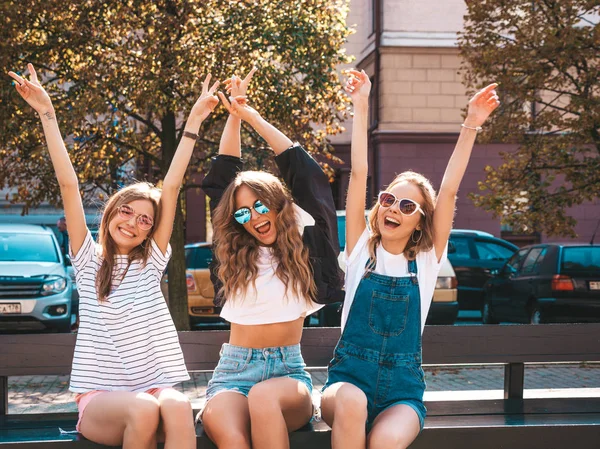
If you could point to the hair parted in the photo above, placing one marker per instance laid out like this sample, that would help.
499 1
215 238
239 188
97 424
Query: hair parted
133 192
237 251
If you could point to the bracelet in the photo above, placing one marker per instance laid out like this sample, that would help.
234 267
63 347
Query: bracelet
477 128
191 135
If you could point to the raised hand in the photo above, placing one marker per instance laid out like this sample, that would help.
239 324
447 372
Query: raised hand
358 85
33 92
482 105
235 86
207 101
239 108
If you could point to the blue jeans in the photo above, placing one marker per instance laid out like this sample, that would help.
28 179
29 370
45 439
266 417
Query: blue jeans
240 368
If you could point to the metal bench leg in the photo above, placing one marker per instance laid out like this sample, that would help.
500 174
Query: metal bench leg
3 395
514 379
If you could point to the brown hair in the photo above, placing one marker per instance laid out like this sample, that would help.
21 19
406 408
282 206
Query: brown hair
138 191
237 252
425 241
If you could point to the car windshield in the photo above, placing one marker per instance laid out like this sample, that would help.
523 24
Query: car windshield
15 247
584 259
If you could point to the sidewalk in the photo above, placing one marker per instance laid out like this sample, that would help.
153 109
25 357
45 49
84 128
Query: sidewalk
39 394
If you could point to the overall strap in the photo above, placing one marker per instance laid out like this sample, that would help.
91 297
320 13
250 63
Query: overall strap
412 266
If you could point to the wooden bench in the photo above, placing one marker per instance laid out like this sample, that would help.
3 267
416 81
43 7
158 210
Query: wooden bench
512 422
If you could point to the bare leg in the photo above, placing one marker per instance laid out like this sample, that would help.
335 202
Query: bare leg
122 418
177 419
226 421
395 428
278 406
344 408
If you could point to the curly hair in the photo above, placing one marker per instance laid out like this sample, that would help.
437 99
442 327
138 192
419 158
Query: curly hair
237 252
138 191
425 241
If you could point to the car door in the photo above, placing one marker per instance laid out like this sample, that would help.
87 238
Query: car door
501 292
522 287
464 262
490 257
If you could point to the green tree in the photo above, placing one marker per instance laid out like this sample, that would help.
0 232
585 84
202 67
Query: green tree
544 54
123 75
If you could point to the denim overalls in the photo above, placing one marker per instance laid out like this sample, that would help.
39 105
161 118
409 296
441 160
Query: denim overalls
380 348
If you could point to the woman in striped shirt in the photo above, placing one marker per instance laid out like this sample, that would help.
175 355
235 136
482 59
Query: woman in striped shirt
127 357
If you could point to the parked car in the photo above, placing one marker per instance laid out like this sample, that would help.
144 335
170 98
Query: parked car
474 256
444 307
547 283
201 293
35 288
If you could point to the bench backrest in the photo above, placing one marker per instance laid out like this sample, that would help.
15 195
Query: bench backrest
52 354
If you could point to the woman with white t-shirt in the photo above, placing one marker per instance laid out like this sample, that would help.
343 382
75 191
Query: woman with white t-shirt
375 384
276 260
127 356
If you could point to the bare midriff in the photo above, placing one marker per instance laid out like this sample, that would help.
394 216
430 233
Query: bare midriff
266 335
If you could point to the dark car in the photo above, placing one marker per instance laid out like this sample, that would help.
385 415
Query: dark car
547 283
474 256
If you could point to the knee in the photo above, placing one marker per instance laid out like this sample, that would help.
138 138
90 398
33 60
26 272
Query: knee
143 415
387 439
261 400
177 410
350 405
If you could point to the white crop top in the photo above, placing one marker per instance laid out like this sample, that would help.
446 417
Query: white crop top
269 303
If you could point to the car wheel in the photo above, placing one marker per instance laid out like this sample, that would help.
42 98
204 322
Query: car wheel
536 315
487 315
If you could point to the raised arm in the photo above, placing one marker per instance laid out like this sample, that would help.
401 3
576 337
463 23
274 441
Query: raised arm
358 87
172 182
481 106
37 97
278 141
230 143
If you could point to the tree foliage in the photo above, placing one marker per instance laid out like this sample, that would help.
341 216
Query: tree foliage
123 76
545 55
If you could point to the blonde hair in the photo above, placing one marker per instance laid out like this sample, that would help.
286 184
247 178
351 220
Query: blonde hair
138 191
414 245
237 251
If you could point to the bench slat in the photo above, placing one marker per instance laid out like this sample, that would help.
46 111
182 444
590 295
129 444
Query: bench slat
34 354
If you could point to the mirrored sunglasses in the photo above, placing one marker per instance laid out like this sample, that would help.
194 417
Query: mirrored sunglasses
244 214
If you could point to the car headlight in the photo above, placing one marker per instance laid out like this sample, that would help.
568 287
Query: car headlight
446 282
53 285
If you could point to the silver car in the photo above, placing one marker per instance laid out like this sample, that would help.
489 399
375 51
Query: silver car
35 288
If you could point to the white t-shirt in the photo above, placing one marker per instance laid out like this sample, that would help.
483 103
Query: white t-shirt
269 302
391 265
129 342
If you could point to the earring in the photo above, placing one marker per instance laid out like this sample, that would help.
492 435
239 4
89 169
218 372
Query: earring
412 236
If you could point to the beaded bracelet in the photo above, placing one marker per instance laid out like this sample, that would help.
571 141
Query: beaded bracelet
478 128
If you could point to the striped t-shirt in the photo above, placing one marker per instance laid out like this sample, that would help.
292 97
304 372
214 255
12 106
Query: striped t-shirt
129 341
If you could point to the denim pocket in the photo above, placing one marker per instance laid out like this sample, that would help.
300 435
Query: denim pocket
294 364
417 371
230 365
388 314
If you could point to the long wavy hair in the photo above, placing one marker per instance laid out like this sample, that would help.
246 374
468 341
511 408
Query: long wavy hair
422 237
237 251
138 191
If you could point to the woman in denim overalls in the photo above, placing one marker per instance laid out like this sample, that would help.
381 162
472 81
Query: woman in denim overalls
374 391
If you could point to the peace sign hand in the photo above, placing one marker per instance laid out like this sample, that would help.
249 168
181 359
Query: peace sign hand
482 105
235 86
207 101
32 91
